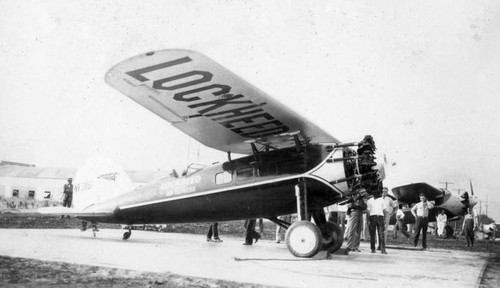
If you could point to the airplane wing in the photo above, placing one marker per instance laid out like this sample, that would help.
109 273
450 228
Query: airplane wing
411 193
210 103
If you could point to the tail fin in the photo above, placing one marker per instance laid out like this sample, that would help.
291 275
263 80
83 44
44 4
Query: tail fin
98 180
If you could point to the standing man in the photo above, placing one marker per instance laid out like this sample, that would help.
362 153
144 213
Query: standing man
390 206
250 233
441 223
400 224
342 211
213 230
468 228
421 213
68 195
355 223
375 213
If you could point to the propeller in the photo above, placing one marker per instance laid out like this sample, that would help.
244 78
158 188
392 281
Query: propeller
471 190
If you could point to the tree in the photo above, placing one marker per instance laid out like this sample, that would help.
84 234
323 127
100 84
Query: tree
484 219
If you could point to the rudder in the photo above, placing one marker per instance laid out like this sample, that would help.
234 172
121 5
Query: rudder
97 180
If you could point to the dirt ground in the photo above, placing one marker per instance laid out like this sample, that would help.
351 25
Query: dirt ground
20 272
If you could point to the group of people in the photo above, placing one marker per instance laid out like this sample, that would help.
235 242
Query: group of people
379 210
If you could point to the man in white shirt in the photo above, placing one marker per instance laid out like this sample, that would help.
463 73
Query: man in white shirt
376 209
441 220
421 213
400 224
391 206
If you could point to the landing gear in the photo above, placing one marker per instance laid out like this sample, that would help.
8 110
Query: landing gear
94 228
332 237
127 234
303 239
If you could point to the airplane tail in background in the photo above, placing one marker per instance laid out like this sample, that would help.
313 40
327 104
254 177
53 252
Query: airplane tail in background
98 180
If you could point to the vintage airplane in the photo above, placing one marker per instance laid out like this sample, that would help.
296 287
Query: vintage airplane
292 165
455 206
489 230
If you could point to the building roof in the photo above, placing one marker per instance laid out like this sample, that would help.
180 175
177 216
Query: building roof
17 171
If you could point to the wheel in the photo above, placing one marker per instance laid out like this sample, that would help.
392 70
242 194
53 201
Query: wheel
126 235
303 239
333 237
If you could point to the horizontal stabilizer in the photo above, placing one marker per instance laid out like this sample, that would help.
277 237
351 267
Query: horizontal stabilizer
56 211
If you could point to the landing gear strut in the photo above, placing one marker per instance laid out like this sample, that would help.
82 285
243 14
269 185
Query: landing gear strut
305 239
94 228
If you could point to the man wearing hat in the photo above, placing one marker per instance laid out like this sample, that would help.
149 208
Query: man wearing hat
68 194
356 208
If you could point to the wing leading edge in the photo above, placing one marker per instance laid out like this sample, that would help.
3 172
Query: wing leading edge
411 193
210 103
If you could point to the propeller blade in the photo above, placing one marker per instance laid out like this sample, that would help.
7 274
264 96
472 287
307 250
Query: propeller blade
471 190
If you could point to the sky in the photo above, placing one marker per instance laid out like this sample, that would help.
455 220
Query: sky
421 77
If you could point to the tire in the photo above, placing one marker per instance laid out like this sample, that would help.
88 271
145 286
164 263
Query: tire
332 237
303 239
126 235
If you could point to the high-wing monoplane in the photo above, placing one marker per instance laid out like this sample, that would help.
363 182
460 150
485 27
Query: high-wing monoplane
454 205
291 165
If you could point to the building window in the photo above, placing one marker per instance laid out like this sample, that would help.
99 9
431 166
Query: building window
15 193
31 194
223 177
46 195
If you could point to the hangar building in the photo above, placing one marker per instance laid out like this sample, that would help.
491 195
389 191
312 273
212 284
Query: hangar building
26 181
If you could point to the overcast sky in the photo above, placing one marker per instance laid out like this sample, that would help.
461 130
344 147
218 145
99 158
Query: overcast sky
422 77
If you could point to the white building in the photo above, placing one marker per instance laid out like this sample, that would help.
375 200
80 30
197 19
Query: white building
27 182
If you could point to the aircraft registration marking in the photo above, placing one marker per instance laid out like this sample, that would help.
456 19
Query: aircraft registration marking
87 185
244 117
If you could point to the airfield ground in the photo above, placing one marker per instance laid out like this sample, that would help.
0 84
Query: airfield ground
26 272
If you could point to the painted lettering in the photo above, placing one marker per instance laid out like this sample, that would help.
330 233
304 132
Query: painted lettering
268 132
236 112
247 120
257 127
223 89
240 115
205 77
216 104
137 74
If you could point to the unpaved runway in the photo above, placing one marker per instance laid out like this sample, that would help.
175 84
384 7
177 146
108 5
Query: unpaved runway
266 263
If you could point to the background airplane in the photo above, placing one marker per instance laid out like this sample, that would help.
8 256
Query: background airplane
292 165
454 205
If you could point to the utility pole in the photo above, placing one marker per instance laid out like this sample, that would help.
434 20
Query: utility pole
486 204
459 189
446 184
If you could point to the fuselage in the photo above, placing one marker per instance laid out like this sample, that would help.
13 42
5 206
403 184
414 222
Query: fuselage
452 205
257 186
